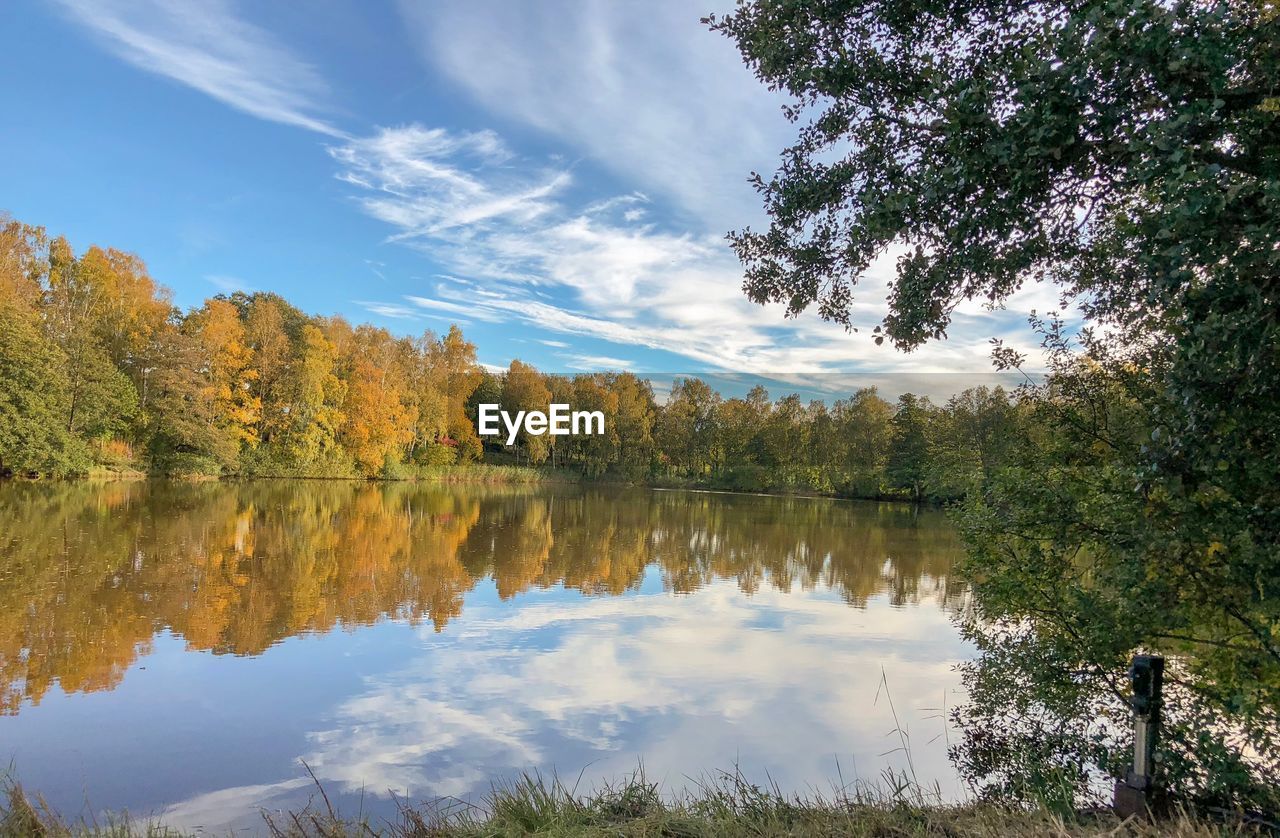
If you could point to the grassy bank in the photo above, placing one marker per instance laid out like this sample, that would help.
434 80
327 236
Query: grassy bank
487 473
691 484
467 473
725 807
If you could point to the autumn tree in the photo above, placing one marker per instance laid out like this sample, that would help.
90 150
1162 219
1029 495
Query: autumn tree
315 398
24 265
378 424
272 357
224 361
462 375
633 423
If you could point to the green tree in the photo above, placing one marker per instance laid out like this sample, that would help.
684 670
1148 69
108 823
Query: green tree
487 391
738 425
597 452
186 432
785 441
686 429
908 465
865 434
82 302
33 400
969 440
1131 153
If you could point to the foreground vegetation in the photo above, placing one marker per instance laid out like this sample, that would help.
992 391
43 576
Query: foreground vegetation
727 806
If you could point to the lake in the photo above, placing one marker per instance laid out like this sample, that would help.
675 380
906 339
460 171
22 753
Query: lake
179 649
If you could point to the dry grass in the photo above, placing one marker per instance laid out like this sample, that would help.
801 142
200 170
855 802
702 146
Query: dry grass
726 806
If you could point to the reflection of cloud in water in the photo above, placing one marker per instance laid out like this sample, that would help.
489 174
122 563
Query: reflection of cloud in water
212 809
335 615
406 739
776 682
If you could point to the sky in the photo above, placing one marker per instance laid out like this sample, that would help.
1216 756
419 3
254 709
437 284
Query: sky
555 177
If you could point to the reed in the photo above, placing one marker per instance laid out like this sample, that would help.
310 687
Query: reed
724 805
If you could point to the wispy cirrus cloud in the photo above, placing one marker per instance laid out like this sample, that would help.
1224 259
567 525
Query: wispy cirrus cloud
392 310
205 45
597 363
426 181
585 271
644 89
475 312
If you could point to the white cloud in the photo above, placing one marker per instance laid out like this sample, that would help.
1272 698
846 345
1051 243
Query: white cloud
229 284
425 181
474 312
647 92
642 88
597 363
204 45
392 310
514 247
233 809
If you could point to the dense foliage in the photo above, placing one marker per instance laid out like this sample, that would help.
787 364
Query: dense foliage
1130 152
100 370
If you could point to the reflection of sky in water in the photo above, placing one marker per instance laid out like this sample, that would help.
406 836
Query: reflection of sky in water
782 684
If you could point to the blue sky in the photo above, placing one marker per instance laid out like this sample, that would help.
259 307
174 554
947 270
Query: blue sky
557 177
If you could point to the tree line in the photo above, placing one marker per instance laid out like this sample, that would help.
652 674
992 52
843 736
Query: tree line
100 370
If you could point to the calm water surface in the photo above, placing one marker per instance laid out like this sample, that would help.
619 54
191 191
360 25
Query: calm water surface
178 650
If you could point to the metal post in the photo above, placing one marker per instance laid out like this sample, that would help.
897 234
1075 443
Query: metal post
1133 794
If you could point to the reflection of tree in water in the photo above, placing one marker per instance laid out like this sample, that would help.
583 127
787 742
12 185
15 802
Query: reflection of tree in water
858 549
89 573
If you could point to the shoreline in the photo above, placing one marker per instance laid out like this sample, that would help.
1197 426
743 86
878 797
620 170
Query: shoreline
474 474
